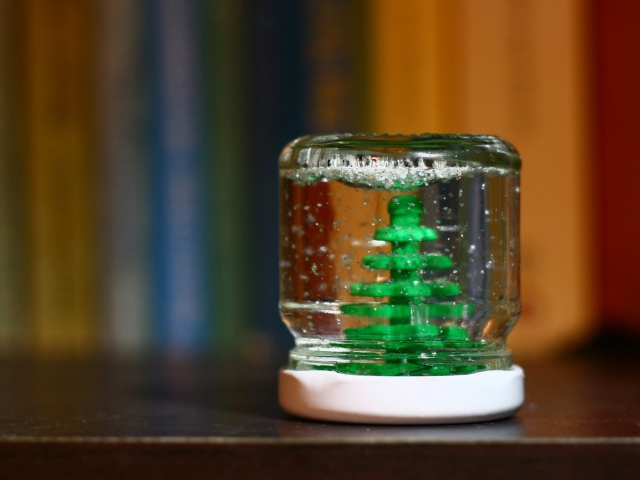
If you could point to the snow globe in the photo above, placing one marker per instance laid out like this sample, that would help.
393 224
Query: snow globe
399 271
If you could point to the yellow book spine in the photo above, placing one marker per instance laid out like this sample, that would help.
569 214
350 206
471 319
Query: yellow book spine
408 65
59 173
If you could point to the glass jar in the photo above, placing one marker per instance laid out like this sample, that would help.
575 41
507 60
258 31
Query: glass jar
399 255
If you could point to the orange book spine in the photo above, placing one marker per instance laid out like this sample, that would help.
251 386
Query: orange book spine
518 70
414 65
524 74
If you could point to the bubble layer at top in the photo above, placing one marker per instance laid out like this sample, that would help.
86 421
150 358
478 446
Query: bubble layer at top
395 161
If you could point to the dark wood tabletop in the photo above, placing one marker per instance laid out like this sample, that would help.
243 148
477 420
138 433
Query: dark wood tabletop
162 420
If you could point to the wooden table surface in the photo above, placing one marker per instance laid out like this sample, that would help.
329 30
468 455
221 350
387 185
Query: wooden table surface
159 420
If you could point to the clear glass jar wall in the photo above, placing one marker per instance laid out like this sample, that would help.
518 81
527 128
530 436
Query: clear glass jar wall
399 254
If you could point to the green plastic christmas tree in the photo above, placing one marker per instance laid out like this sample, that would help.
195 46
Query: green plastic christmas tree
410 322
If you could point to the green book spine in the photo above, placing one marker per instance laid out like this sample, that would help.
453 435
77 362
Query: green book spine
227 162
12 325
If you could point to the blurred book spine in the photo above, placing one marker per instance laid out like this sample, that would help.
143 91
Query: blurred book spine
335 102
334 58
126 238
618 117
12 254
308 76
60 175
406 66
518 70
535 94
228 196
276 91
179 178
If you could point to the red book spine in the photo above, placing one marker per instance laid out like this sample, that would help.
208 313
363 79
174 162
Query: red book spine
618 123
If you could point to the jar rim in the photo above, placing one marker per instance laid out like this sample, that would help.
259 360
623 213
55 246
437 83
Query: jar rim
358 150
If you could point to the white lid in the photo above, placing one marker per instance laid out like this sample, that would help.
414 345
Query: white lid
326 395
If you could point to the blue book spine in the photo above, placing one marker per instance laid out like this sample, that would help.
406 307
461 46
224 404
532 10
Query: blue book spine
177 148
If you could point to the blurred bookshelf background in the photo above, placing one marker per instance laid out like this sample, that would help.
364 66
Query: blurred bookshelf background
139 141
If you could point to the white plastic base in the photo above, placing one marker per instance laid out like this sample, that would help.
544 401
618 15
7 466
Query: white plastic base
324 395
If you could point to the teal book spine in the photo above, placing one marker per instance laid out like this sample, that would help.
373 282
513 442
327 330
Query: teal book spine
277 84
309 76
